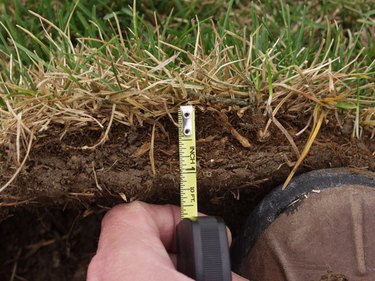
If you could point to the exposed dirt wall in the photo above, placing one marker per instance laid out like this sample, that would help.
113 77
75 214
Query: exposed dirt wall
51 213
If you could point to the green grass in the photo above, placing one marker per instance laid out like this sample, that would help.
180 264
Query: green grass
154 52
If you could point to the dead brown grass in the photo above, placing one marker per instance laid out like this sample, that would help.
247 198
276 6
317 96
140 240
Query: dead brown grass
82 97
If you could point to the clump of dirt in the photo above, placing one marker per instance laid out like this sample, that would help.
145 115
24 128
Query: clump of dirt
65 187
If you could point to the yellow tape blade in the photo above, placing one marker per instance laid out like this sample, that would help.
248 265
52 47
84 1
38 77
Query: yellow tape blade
188 168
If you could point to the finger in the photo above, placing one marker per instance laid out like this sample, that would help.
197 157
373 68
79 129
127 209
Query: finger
229 236
139 226
173 258
135 218
236 277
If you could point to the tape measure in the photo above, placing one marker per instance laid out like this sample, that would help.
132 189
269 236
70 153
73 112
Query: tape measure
202 243
188 166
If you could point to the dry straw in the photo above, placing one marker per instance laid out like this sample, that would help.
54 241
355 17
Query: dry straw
102 89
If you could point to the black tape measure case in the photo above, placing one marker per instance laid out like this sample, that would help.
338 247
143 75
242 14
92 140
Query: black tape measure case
203 250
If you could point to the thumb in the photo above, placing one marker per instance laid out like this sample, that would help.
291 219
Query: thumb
236 277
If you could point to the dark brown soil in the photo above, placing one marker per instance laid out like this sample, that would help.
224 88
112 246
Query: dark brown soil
51 213
48 243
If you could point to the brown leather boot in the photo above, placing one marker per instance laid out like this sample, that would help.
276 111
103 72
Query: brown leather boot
321 227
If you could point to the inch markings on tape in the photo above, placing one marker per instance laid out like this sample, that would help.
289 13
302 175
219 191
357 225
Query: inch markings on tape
188 167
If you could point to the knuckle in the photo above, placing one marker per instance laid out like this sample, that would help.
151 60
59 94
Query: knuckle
120 212
113 215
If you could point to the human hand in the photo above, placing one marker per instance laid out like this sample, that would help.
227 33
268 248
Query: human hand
137 243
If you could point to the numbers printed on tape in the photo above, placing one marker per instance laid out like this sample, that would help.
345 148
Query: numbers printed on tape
188 171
